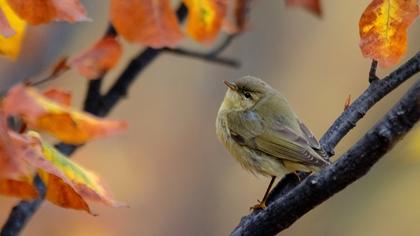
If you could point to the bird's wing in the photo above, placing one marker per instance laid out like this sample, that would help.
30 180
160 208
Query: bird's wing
247 129
312 141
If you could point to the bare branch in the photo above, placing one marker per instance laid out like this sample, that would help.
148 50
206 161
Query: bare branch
372 72
99 105
354 164
203 56
375 92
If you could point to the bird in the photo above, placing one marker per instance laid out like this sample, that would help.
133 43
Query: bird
260 130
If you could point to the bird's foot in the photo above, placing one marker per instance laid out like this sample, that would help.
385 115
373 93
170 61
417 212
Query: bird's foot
260 206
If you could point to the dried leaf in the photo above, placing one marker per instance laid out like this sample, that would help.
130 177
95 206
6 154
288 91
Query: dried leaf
43 11
383 29
103 56
15 174
68 184
10 43
60 121
313 6
205 19
59 96
12 165
16 188
347 102
241 12
5 28
59 68
149 22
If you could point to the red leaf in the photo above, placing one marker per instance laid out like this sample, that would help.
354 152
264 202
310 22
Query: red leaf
44 11
59 96
313 6
103 56
149 22
12 165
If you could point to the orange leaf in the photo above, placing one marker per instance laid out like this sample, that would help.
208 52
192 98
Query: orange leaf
205 19
149 22
60 121
44 11
5 28
383 29
68 184
16 188
313 6
96 61
59 96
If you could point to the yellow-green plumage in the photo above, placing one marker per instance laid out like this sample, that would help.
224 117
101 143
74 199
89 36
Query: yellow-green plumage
259 128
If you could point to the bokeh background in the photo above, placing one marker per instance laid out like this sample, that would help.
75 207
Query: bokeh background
169 166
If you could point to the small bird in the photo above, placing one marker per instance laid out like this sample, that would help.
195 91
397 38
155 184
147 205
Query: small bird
259 128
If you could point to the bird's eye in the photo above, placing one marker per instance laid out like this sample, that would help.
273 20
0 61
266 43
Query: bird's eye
247 95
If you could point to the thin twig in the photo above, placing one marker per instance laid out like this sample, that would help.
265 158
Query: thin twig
354 164
375 92
372 71
203 56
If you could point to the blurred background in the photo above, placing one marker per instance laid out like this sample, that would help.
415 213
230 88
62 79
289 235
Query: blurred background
169 166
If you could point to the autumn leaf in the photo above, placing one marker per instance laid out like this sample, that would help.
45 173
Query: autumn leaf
313 6
5 28
10 41
241 11
18 188
59 96
347 102
43 11
383 29
205 19
62 122
149 22
59 68
12 165
15 174
68 184
103 56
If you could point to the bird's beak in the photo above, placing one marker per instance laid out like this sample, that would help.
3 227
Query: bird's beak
231 85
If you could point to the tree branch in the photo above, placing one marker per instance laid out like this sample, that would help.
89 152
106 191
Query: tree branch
375 92
354 164
372 71
203 56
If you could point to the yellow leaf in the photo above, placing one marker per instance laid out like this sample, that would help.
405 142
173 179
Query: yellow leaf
10 46
383 29
205 18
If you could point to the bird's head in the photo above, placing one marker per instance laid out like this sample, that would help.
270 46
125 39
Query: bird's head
245 93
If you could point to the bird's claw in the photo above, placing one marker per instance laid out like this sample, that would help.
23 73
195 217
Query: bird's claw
260 206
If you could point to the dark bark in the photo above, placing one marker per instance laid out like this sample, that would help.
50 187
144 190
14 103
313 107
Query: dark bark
375 92
100 105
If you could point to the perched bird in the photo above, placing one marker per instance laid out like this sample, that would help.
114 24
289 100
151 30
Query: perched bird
259 128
